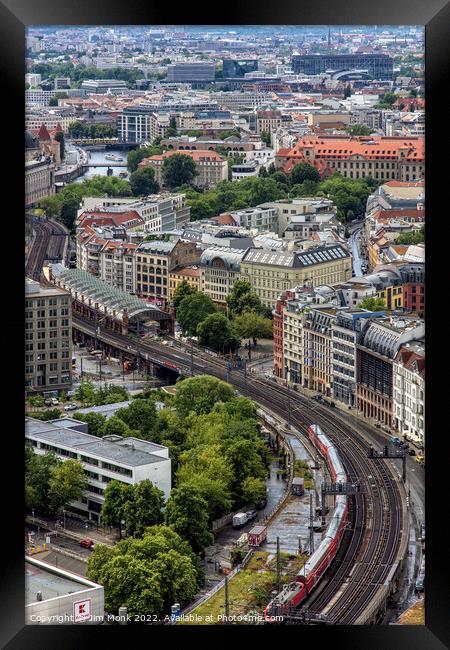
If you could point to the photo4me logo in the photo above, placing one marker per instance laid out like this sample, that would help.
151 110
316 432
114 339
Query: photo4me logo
82 610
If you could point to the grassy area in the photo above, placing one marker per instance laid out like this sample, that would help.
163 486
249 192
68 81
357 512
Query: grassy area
415 615
248 591
301 469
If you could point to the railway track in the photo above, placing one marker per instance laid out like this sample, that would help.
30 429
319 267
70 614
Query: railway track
374 539
50 243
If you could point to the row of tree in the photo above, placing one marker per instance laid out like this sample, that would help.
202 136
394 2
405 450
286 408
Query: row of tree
198 316
80 129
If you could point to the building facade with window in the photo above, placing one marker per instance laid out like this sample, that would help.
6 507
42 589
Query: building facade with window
48 338
128 460
409 391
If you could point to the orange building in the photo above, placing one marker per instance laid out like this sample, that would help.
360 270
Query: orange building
382 158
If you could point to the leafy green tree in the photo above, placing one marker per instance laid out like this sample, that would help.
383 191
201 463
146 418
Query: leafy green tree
199 394
67 483
215 492
141 415
416 237
192 310
254 491
114 426
113 508
51 414
372 304
215 332
263 173
241 298
38 472
135 156
266 138
95 422
303 172
142 182
178 169
187 513
143 507
251 325
183 289
85 393
358 129
245 461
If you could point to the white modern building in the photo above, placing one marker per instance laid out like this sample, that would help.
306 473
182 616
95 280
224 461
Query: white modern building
129 460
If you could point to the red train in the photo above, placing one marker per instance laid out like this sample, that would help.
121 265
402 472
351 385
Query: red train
296 592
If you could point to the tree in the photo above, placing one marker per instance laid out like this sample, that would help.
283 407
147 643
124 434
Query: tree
59 136
187 513
178 169
51 414
163 570
67 483
254 491
263 173
113 506
183 289
415 237
302 172
242 297
372 304
114 426
251 325
137 155
143 507
245 461
266 138
142 182
215 332
358 129
95 422
199 394
192 310
38 472
141 415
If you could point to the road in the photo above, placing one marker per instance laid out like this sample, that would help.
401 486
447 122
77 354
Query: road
354 249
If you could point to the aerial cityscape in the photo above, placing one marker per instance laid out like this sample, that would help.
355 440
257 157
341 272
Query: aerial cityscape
224 325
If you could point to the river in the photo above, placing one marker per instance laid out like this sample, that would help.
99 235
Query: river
100 157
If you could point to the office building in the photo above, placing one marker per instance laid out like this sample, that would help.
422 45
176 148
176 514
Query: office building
48 338
128 460
100 86
188 72
379 66
238 67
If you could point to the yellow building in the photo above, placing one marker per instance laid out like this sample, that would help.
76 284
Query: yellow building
392 296
189 274
270 273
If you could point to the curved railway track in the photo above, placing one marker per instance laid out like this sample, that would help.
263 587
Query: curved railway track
50 243
372 544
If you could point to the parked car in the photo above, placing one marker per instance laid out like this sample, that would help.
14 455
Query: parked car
48 402
420 460
411 452
87 543
70 407
240 519
251 514
403 445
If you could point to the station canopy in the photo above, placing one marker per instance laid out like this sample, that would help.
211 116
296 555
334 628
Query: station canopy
107 296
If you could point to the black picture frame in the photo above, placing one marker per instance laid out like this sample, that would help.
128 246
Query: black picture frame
15 16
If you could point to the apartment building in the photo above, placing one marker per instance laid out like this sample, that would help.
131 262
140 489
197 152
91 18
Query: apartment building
347 330
141 124
219 269
117 265
259 218
382 158
189 273
48 338
303 213
271 272
374 365
160 212
154 261
268 122
128 460
211 168
409 391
